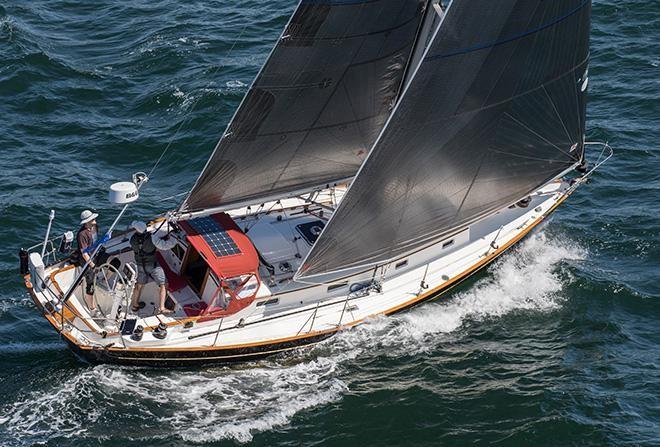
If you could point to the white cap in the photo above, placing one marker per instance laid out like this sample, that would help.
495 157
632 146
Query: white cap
87 216
139 226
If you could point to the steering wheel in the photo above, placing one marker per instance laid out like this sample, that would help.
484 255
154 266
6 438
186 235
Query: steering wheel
112 292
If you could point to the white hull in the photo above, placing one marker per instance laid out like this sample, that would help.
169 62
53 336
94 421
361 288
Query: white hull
287 315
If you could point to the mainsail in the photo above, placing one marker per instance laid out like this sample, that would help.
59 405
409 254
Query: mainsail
318 104
495 110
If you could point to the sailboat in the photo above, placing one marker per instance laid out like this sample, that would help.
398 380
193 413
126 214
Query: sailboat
386 151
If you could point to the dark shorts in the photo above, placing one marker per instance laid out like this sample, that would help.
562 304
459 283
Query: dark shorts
90 275
150 273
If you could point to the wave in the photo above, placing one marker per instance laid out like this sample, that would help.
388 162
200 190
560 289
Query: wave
7 304
160 41
31 347
59 411
7 26
204 96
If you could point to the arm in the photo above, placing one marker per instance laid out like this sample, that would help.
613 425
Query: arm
84 242
88 258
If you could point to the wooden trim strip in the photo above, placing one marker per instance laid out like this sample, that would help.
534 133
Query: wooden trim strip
57 272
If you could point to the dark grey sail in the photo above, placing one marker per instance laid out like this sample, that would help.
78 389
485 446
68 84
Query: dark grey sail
317 106
495 110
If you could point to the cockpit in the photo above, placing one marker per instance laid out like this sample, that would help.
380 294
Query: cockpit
221 266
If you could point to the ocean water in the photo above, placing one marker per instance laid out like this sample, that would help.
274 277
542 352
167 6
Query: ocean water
556 344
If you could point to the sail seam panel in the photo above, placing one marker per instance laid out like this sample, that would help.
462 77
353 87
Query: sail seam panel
223 178
319 115
526 92
357 64
352 36
513 38
316 120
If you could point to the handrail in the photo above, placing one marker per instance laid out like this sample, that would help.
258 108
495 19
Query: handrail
51 218
65 304
51 309
49 248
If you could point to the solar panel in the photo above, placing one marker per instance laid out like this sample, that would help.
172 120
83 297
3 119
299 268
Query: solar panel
215 236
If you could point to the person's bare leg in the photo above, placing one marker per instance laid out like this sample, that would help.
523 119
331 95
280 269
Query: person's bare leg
163 297
91 305
135 301
89 297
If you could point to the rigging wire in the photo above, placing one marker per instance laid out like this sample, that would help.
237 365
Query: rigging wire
194 105
174 196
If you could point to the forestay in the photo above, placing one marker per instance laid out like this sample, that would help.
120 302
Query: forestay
495 110
317 105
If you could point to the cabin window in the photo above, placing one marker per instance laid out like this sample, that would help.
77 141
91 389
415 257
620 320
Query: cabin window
448 243
268 302
401 264
196 270
178 251
337 286
243 286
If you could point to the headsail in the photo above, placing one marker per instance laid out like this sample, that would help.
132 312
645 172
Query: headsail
495 110
317 106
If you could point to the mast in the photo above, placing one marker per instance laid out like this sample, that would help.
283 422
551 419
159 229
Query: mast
432 18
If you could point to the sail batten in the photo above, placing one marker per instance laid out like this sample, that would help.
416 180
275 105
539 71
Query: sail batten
318 103
494 110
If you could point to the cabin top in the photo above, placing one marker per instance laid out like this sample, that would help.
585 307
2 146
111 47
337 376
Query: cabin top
222 244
